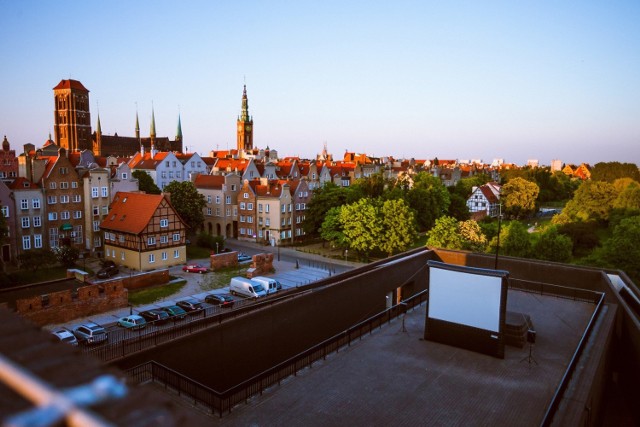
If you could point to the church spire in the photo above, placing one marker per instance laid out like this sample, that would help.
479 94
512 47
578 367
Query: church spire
137 126
179 131
98 127
244 116
152 134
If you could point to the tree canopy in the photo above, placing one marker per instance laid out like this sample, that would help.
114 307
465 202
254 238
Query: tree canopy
188 202
145 182
398 226
592 201
519 198
610 171
449 233
324 198
362 226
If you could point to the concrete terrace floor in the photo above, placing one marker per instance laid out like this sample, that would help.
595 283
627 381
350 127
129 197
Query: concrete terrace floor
395 378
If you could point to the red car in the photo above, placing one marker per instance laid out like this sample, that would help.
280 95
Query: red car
195 268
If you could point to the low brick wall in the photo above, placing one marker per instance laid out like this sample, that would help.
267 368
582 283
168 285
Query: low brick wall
143 280
63 306
262 264
223 260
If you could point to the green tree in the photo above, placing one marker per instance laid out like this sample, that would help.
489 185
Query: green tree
372 186
189 204
458 207
628 198
398 226
145 182
519 198
472 236
621 250
67 255
35 259
362 226
550 245
464 187
324 198
592 201
206 240
445 234
332 229
583 236
610 171
514 240
429 198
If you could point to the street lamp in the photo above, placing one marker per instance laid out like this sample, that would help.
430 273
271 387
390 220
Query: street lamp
346 254
216 248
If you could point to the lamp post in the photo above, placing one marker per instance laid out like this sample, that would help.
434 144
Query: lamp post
495 267
216 248
346 254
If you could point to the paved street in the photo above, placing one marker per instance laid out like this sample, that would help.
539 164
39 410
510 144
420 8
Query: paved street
293 269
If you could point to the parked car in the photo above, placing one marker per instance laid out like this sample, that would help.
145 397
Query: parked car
224 301
155 316
90 333
190 305
246 287
108 271
242 257
133 321
270 285
175 312
65 336
195 268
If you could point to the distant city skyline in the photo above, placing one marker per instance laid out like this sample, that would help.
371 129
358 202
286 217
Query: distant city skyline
461 80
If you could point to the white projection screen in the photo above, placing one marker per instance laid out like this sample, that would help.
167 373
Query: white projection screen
465 298
467 307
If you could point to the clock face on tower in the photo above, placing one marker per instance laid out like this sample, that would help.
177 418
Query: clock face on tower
248 128
240 127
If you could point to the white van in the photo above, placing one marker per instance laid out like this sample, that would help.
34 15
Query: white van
270 285
246 288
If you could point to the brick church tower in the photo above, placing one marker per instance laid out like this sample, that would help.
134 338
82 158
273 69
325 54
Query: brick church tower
72 120
245 125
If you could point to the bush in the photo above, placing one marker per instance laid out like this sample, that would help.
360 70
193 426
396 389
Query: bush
206 240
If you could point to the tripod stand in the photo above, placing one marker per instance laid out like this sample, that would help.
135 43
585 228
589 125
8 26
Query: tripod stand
530 357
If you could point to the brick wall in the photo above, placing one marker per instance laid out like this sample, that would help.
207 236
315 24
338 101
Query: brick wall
224 260
262 264
143 280
63 306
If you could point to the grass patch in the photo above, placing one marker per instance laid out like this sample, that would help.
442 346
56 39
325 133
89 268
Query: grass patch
25 277
150 295
222 278
197 252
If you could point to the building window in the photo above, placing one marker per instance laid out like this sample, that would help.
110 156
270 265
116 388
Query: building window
152 258
52 185
164 222
120 238
64 215
77 214
77 198
250 206
53 237
96 210
37 241
267 223
97 242
123 175
233 187
96 225
24 204
37 222
243 206
241 218
217 211
176 237
228 211
94 192
164 239
250 219
228 200
164 256
64 199
25 222
178 174
217 200
266 208
52 200
122 255
76 234
242 231
64 185
151 241
26 242
35 203
208 211
104 191
5 211
208 198
176 253
259 207
163 174
245 195
284 208
53 216
74 184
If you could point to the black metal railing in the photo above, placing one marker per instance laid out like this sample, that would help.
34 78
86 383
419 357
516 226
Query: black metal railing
554 290
221 402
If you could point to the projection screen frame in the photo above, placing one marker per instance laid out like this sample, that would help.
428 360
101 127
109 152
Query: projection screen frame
465 330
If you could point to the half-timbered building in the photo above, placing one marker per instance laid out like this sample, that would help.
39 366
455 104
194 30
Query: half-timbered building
144 232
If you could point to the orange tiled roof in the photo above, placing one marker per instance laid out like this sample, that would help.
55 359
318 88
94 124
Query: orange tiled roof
70 84
22 183
131 212
211 182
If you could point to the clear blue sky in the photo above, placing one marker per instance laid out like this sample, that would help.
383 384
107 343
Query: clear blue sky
467 80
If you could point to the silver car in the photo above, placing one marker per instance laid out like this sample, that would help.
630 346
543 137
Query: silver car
65 336
90 333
